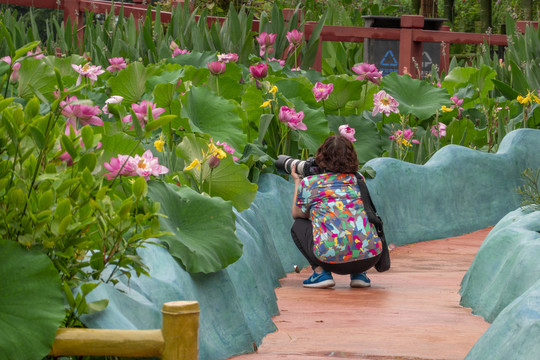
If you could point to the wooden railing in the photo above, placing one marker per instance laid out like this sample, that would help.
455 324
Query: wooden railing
177 339
410 34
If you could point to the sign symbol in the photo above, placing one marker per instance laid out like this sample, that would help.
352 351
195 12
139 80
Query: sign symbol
389 59
426 60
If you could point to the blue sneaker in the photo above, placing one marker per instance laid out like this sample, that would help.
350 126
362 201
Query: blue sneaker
320 280
360 280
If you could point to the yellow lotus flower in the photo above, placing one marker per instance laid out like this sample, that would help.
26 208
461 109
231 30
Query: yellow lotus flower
194 163
159 143
219 153
405 142
214 150
266 104
445 109
527 99
273 90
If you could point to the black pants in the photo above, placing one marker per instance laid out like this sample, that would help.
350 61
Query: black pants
302 234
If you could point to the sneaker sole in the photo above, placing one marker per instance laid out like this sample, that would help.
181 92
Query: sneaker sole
321 285
359 284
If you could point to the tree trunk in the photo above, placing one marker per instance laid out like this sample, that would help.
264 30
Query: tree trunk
526 8
449 10
429 8
485 15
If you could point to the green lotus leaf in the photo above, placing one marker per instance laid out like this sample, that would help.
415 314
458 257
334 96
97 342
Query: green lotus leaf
119 143
131 81
228 180
36 75
204 239
229 82
415 97
214 115
345 90
298 87
194 58
482 80
170 76
457 78
368 142
31 302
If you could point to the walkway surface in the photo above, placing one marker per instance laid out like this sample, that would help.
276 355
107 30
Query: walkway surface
411 312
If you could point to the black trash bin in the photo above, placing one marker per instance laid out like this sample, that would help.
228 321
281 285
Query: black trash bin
384 54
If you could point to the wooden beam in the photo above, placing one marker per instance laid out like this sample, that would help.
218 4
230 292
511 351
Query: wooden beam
103 342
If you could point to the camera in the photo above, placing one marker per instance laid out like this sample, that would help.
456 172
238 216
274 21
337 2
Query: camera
304 168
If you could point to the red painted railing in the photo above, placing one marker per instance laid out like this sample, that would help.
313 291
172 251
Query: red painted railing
410 35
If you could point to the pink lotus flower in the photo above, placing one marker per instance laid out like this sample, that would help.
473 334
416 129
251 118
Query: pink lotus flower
281 62
141 111
228 149
15 69
439 130
180 52
216 67
367 71
120 166
87 70
15 74
259 71
406 135
457 104
38 54
347 132
147 165
115 99
266 40
292 118
117 64
384 103
295 39
322 91
81 113
227 58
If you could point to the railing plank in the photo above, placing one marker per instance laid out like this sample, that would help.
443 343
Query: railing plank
458 37
103 342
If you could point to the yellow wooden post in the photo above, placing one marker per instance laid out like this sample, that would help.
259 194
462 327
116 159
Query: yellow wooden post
180 330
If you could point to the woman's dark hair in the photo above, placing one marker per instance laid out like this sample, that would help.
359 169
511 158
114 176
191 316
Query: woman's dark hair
337 155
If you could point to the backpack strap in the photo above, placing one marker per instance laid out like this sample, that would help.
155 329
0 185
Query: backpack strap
371 212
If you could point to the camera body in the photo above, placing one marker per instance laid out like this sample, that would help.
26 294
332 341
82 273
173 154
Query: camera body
304 168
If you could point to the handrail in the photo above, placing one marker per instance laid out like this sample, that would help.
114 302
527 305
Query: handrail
177 339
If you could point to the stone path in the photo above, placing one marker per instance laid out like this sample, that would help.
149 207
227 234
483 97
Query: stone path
411 312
